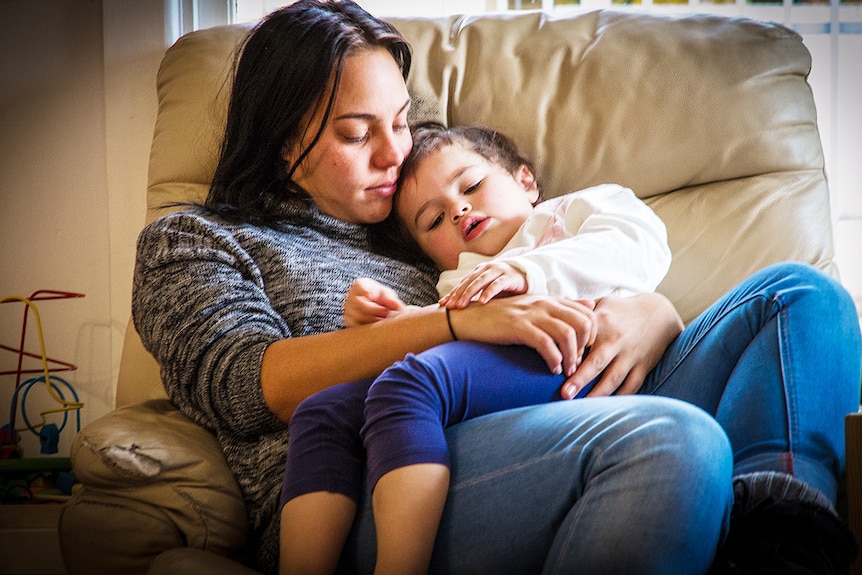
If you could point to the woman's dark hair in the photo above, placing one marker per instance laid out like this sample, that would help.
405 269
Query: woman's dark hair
288 66
428 137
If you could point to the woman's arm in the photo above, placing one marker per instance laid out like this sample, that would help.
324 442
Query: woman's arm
557 329
231 360
632 336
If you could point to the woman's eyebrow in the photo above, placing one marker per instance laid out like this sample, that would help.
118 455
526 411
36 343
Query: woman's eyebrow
367 116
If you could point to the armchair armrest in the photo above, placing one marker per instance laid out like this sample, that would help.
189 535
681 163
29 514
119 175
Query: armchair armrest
153 480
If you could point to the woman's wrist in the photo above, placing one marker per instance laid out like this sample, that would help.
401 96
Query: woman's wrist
449 324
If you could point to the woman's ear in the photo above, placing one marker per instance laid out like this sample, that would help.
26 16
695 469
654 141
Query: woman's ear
525 177
287 153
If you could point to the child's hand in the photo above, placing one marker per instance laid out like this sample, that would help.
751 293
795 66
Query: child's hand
487 281
368 301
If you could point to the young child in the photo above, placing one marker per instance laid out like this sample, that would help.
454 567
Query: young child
466 197
473 209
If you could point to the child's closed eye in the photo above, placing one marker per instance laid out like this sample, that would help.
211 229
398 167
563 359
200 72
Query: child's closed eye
436 222
470 189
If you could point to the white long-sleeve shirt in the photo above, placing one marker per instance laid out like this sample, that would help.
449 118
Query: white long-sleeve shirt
588 244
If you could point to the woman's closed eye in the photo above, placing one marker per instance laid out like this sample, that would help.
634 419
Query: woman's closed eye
362 138
356 139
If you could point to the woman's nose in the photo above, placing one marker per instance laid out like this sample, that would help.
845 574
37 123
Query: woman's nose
390 152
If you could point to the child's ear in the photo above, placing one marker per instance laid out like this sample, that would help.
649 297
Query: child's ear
525 177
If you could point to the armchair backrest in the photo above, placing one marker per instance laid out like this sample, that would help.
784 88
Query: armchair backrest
709 119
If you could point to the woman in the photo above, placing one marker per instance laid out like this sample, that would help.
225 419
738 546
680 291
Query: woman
240 302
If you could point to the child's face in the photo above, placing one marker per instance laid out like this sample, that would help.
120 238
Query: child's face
458 201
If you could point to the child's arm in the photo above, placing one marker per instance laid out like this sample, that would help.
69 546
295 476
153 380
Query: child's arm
612 244
368 301
596 242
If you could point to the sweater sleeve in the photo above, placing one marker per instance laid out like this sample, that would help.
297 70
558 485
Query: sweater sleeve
199 305
610 243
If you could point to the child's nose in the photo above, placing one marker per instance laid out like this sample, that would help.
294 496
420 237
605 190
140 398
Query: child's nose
460 212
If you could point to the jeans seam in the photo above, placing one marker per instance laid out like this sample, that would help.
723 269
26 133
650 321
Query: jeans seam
790 402
699 337
506 470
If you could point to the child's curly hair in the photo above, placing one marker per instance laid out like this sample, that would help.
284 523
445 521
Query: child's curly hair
492 145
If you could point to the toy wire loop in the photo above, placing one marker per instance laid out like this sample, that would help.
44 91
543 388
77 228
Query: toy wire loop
50 382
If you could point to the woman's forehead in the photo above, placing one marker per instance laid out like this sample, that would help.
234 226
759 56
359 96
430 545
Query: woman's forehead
371 83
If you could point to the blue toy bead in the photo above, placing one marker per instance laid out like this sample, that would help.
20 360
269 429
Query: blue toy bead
49 438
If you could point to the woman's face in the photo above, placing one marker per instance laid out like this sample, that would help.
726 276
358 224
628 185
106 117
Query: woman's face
352 171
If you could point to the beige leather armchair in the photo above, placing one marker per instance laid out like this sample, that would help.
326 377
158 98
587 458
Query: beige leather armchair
709 119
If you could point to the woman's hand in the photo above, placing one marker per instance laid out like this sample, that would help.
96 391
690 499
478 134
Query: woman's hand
632 336
558 329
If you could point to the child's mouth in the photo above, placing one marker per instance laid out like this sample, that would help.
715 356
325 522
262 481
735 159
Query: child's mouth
473 227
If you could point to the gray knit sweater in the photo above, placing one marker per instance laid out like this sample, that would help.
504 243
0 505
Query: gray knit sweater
210 296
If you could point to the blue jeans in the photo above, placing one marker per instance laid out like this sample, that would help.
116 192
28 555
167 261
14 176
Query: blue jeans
528 497
604 486
777 362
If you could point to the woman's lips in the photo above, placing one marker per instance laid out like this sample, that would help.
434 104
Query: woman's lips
472 228
383 190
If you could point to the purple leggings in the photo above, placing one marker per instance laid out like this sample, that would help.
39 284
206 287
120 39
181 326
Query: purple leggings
398 419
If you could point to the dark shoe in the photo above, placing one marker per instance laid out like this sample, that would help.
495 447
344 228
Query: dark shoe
781 525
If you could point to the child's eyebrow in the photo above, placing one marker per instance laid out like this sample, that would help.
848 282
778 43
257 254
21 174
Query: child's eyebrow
421 211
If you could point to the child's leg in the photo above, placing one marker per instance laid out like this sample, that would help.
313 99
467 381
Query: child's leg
314 528
408 503
322 480
406 411
410 404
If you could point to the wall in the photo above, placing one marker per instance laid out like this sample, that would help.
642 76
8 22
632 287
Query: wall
77 88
